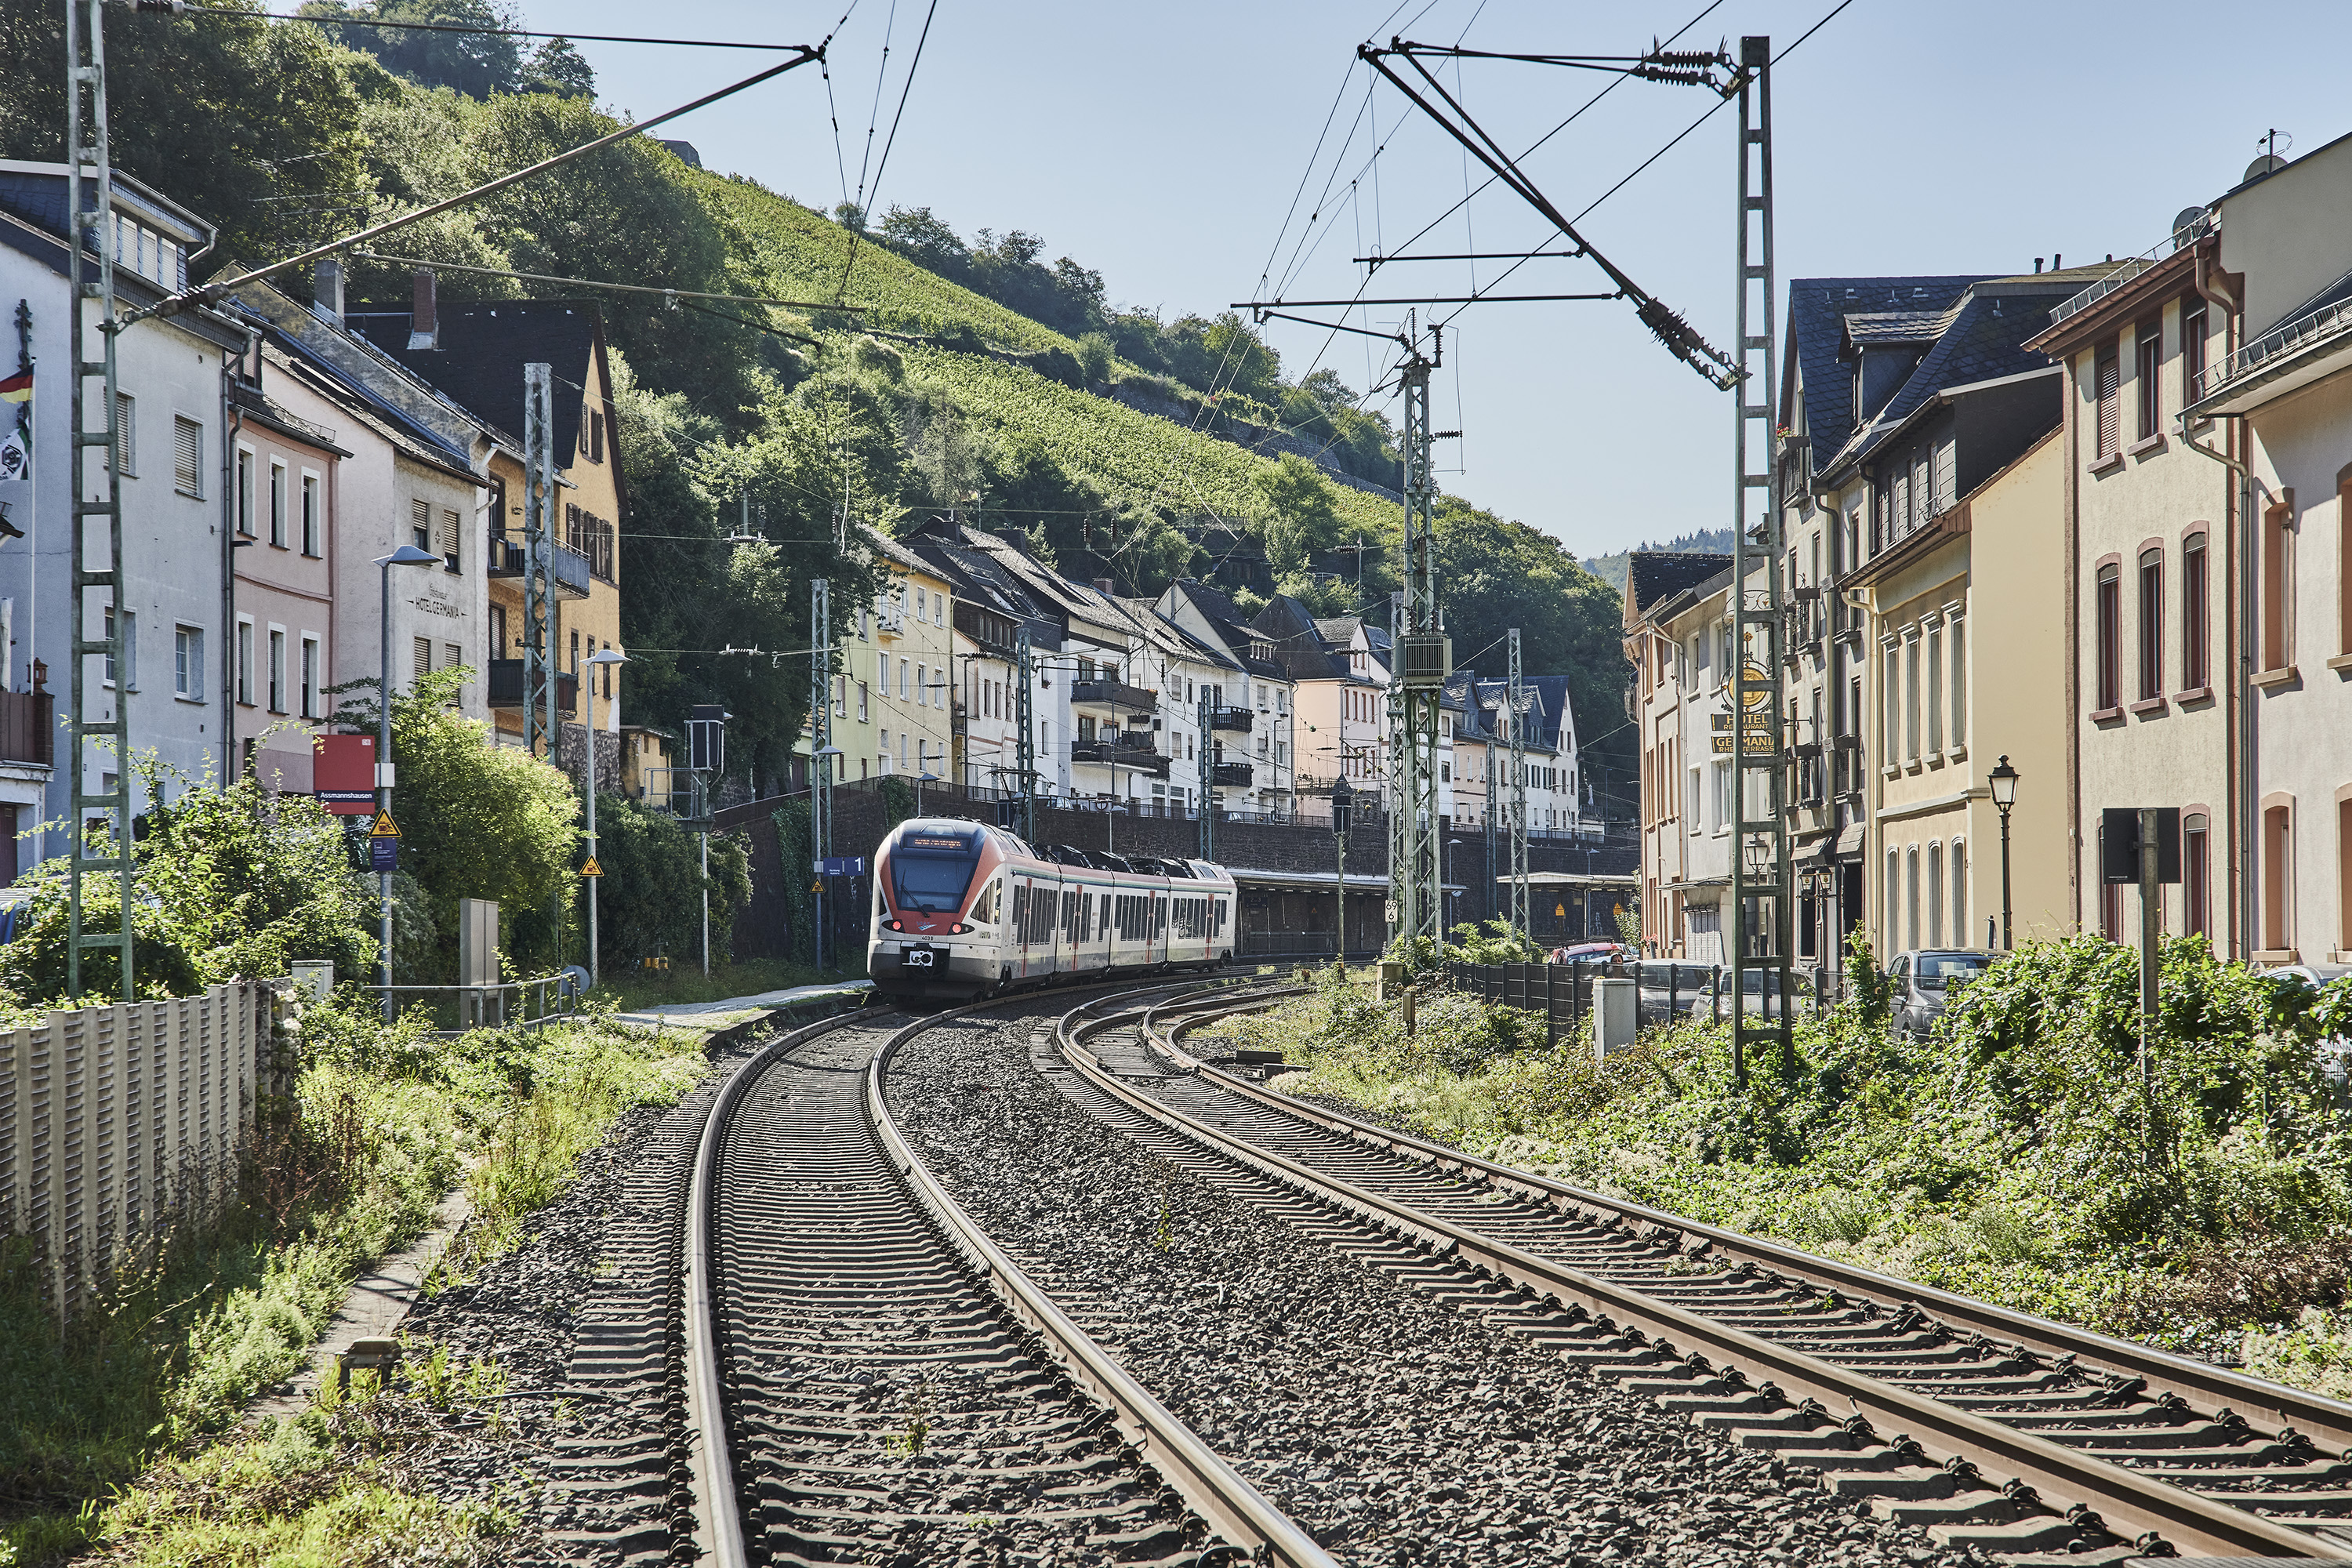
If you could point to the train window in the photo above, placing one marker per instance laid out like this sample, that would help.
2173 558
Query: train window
1020 907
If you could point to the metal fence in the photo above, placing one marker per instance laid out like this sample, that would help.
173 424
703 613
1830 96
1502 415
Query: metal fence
536 1003
1561 992
118 1123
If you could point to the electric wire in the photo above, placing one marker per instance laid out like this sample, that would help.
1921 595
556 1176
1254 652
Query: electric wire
238 13
888 142
593 283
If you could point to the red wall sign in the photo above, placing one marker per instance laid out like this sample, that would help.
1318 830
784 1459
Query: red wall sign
344 774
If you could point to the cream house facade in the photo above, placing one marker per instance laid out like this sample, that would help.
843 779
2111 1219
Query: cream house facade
2280 399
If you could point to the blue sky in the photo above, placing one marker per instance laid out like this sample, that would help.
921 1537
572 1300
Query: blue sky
1163 145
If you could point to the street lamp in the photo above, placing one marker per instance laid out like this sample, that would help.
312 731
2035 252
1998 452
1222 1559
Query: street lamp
925 776
1343 813
605 659
2003 781
406 555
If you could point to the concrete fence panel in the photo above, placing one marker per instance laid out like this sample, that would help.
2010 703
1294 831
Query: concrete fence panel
117 1122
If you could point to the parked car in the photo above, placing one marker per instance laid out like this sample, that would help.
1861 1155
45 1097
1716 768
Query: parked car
1669 991
1751 993
1925 980
2336 1051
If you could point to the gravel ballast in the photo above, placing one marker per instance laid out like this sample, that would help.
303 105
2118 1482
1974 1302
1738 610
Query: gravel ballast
1399 1427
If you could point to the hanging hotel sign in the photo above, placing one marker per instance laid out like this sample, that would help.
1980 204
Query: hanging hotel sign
1759 734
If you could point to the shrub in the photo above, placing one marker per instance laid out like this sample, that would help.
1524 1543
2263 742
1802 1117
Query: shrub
1094 355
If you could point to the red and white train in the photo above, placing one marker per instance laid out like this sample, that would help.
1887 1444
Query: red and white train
963 910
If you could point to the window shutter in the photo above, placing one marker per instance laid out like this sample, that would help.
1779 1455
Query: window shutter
449 534
2110 403
420 520
424 657
126 433
188 454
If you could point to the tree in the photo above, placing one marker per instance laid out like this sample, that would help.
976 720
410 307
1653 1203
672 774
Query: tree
650 899
254 127
477 63
922 238
626 212
1495 575
1095 354
1303 522
477 821
558 67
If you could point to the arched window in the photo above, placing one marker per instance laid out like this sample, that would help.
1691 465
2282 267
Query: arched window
2152 625
2110 632
1959 875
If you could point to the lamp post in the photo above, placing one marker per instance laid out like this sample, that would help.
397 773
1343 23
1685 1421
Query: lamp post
406 555
1343 812
605 659
2003 781
925 776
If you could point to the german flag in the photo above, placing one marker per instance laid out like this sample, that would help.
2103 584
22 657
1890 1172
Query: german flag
17 388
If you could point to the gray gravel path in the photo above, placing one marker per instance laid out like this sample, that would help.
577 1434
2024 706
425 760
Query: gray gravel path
1399 1427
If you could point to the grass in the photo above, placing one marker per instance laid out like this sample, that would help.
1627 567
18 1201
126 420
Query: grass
1927 1163
162 1365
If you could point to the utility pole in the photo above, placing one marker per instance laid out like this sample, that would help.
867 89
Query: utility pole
1422 657
1761 903
89 216
1517 699
1025 733
1208 775
820 754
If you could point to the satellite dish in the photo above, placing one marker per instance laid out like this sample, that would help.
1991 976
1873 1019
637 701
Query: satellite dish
2263 165
2189 222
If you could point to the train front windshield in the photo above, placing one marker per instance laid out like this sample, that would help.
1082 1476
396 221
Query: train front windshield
932 880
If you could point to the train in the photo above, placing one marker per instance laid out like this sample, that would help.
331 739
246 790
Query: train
963 910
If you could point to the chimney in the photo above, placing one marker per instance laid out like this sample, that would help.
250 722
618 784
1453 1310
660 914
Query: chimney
327 290
1102 586
424 325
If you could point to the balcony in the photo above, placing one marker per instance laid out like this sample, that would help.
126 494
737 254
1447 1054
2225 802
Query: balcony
1230 775
506 689
1118 752
1115 695
508 558
1239 719
28 727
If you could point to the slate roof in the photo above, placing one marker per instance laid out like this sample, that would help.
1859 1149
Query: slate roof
1225 616
1653 575
1817 311
1984 340
484 343
978 577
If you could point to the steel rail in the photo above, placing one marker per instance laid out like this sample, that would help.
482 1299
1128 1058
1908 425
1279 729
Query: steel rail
710 1468
2204 1387
1209 1486
2066 1482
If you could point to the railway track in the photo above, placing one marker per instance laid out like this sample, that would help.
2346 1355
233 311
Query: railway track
868 1378
2025 1438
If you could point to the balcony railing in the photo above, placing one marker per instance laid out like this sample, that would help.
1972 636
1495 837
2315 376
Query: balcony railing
29 727
506 689
1234 719
1114 694
1138 755
508 558
1230 775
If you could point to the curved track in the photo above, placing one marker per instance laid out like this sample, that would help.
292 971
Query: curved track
2020 1435
872 1382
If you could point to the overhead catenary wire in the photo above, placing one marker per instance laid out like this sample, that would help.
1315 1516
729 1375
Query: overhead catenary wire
888 142
616 288
209 293
238 13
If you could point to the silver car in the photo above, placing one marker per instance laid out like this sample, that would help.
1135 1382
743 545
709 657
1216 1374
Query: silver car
1925 982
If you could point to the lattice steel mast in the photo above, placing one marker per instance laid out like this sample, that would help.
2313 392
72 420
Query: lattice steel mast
1517 699
1760 908
538 672
90 208
1024 734
1421 658
1208 774
820 738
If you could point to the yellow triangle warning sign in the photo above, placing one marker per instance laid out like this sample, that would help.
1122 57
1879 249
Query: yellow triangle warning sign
384 827
592 868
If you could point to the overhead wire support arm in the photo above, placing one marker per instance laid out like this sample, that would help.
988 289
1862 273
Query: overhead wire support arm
1680 338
